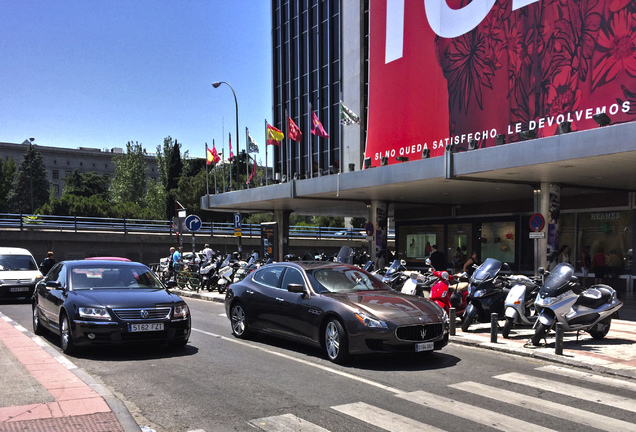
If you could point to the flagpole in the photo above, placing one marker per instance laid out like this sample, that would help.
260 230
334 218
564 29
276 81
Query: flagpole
215 164
266 174
207 173
247 158
286 144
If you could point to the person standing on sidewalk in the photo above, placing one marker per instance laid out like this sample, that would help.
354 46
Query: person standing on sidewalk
586 263
47 263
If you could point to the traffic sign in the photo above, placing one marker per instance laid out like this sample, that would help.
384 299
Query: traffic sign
537 222
193 223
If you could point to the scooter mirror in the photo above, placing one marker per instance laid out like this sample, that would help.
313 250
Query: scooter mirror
505 267
402 262
428 261
540 270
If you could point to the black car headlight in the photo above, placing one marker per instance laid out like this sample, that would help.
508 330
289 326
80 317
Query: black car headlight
99 313
181 311
370 322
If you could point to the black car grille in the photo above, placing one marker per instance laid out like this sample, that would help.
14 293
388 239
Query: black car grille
420 332
136 314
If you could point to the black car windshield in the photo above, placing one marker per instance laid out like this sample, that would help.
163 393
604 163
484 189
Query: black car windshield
558 278
345 279
101 276
17 262
487 270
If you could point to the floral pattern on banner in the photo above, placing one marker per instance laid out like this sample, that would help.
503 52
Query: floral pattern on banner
559 57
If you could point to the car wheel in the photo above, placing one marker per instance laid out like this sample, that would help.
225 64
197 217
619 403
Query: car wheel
239 321
336 343
469 318
66 337
37 326
510 322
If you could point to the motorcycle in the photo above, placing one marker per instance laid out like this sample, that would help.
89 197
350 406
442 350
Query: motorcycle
395 275
563 299
225 275
519 303
442 295
487 291
209 273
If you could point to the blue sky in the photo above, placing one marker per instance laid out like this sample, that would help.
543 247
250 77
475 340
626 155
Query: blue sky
100 73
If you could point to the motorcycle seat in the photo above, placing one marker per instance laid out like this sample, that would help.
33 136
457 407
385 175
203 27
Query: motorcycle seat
594 297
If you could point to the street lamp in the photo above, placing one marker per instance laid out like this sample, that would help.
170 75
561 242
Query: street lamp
216 85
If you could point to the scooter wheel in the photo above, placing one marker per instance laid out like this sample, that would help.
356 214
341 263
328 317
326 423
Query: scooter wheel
510 322
539 334
600 330
469 318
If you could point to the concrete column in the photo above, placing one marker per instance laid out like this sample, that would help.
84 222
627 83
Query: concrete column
282 218
550 208
378 217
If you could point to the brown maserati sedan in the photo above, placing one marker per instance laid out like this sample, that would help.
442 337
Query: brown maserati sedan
339 307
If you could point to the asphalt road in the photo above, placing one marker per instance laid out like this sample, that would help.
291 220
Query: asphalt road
220 383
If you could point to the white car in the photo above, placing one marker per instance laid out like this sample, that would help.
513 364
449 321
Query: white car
18 273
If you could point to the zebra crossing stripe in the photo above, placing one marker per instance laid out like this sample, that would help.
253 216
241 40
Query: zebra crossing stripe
384 419
589 377
608 399
547 407
476 414
286 423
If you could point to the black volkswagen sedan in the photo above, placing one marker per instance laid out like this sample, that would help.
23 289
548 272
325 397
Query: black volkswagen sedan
101 302
338 307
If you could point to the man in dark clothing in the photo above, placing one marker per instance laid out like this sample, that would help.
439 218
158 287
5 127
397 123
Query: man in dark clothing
47 263
438 260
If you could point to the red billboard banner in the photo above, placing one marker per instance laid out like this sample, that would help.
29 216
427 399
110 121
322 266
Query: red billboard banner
448 73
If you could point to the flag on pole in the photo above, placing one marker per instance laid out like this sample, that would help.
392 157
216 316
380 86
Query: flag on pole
274 136
347 117
253 171
293 132
316 126
231 153
252 147
210 156
215 156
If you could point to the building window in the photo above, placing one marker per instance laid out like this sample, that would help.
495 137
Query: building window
56 188
55 175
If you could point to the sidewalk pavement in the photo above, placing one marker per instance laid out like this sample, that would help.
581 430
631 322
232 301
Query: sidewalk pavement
615 354
41 390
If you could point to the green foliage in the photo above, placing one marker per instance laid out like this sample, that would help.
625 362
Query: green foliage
129 182
30 187
358 222
7 172
258 218
87 185
155 200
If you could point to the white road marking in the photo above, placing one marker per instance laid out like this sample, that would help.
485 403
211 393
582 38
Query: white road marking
590 377
286 423
590 395
384 419
547 407
483 416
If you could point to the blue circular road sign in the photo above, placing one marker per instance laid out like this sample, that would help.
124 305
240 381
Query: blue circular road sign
193 223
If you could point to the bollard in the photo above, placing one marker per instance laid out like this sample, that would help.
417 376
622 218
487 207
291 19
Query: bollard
452 317
558 342
493 328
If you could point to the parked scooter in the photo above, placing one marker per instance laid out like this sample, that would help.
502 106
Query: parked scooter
225 275
209 273
395 275
563 299
487 291
519 303
447 297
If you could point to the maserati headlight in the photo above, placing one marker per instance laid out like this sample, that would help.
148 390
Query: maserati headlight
181 311
370 322
94 313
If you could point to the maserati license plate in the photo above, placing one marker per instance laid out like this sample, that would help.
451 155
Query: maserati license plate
145 327
424 346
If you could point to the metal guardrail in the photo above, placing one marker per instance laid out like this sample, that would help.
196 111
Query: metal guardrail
26 222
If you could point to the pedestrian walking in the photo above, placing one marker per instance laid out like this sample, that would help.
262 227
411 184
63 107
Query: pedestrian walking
47 263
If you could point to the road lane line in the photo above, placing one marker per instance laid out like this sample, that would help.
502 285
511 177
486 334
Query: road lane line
547 407
589 395
473 413
589 377
286 423
384 419
305 362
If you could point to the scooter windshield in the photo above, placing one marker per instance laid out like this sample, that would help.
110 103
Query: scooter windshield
487 270
394 267
557 281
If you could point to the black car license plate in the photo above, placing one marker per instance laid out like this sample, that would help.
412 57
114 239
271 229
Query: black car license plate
145 327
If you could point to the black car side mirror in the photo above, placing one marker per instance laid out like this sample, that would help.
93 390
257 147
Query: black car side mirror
296 288
53 284
171 284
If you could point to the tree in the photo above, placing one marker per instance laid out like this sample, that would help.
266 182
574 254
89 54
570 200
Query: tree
86 184
7 173
30 187
129 182
170 167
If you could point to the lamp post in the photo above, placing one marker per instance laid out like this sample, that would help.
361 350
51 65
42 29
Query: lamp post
216 85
